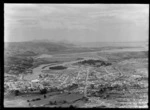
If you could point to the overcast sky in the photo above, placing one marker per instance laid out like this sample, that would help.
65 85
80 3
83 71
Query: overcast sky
76 22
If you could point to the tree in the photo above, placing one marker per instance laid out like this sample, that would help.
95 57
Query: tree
16 92
71 106
92 86
43 91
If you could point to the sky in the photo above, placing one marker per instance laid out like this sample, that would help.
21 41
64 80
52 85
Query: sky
76 22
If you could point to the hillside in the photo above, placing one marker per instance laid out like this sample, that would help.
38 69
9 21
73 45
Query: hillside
33 48
113 44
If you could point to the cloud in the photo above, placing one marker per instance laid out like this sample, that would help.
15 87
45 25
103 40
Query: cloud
69 17
82 5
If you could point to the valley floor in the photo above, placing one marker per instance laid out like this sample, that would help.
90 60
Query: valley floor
124 84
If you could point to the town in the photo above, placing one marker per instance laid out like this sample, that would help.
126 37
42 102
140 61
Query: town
76 55
86 77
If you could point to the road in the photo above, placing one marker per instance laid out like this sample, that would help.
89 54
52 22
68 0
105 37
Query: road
37 70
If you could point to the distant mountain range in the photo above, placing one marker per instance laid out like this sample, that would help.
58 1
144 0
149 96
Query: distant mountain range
112 44
48 47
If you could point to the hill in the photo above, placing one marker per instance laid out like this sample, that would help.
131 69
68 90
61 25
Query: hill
35 47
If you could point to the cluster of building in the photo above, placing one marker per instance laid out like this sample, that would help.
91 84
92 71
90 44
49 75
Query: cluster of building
61 81
43 81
